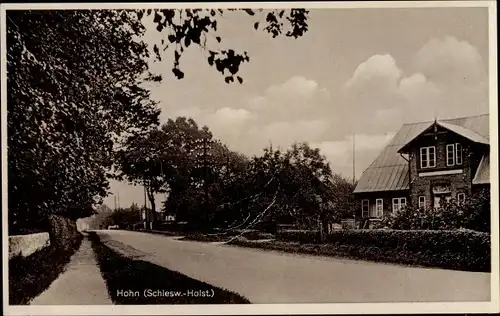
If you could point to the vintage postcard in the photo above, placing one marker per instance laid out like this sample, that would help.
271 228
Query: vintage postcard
249 158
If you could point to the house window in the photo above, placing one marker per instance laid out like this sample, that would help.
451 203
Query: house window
450 155
461 197
398 204
379 208
453 154
421 201
365 208
458 154
428 157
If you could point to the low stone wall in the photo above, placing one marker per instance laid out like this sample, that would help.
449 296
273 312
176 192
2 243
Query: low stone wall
25 245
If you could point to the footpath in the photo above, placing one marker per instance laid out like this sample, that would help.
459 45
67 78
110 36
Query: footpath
80 284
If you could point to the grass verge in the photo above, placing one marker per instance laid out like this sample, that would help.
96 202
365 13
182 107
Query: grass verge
223 237
205 237
134 281
160 232
30 276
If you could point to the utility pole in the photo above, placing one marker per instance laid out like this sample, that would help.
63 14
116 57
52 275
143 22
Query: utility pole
114 197
353 158
354 171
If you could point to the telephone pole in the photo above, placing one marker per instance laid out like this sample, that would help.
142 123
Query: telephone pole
353 158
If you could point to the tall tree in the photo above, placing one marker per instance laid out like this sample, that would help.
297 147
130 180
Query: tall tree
73 88
163 159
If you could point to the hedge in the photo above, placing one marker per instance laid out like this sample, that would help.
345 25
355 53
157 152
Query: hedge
457 249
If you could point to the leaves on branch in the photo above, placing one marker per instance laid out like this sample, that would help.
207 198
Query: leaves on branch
192 26
73 89
249 12
179 74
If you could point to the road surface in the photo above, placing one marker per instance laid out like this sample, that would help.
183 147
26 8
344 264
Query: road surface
273 277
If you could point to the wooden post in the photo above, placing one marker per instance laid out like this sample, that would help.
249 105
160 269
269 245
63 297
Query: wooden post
320 230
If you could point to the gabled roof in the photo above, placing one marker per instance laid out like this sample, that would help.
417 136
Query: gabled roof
465 132
457 129
483 171
389 171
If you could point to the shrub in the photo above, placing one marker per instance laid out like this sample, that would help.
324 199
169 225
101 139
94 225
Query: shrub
472 214
257 235
63 232
456 249
205 237
477 211
301 236
251 234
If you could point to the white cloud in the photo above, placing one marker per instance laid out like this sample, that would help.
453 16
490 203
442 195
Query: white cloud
230 116
294 87
295 99
446 79
228 123
376 71
450 61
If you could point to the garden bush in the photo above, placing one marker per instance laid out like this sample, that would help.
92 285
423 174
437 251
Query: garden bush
301 236
473 213
250 234
63 232
450 249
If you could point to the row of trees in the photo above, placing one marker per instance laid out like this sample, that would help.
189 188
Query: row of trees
105 217
208 185
75 89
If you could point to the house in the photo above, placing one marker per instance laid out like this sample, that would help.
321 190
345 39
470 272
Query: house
150 219
425 162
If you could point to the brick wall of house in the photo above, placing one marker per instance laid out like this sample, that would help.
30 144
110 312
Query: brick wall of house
423 186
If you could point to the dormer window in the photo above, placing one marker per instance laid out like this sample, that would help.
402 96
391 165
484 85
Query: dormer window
428 157
458 154
453 154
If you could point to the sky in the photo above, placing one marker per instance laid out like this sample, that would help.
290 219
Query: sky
361 72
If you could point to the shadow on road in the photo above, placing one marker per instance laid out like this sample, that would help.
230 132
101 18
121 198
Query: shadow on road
132 281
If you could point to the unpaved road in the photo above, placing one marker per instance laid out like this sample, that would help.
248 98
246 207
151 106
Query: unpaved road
273 277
